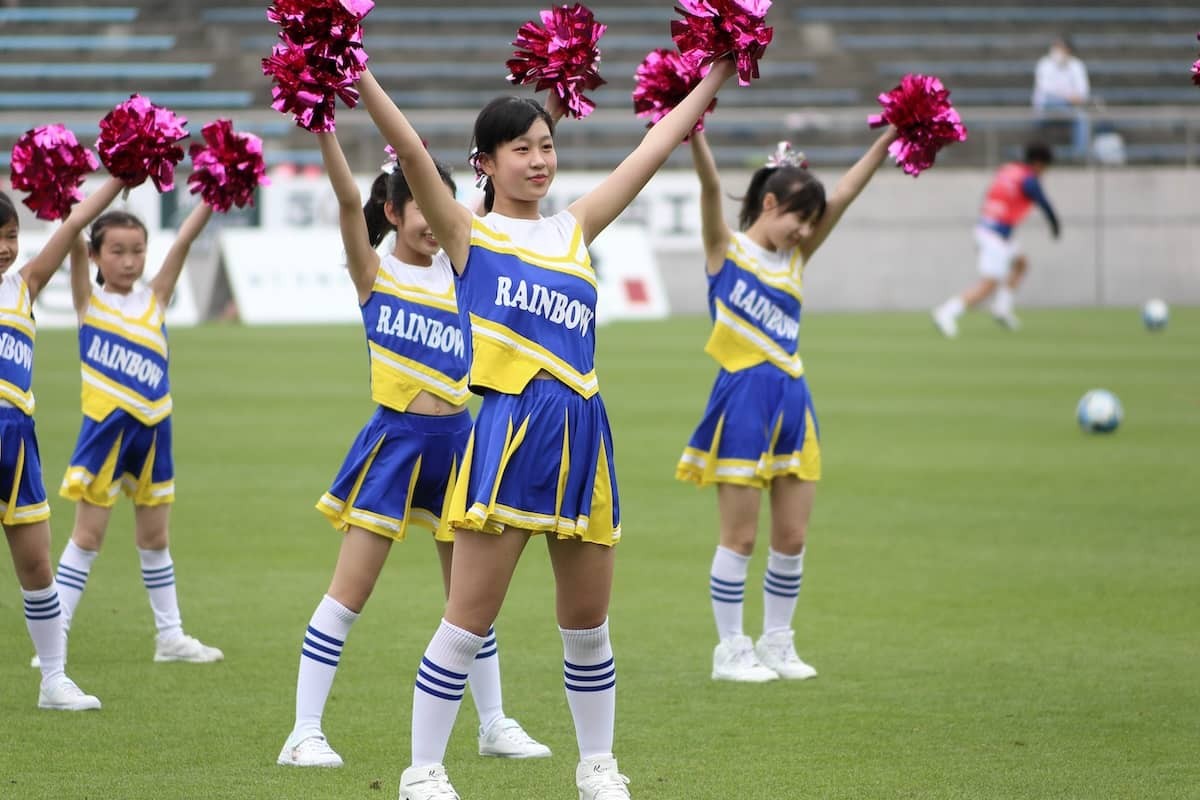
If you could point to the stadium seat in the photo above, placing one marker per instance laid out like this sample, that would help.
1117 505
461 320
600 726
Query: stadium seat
996 13
91 42
92 70
68 14
172 99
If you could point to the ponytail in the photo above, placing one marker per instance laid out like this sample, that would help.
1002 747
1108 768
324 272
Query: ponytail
796 189
378 225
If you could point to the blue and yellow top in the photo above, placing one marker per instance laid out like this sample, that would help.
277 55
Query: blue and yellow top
528 294
123 356
414 334
17 334
755 304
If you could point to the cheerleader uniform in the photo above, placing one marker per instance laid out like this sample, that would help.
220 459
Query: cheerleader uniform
401 465
760 423
125 441
23 495
540 455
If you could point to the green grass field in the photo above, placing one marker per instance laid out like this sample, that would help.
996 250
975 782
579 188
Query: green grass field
999 605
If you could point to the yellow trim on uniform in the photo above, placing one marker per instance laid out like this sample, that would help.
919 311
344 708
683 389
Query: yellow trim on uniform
20 321
444 301
703 468
18 397
442 530
728 340
342 514
564 467
100 489
156 343
789 282
481 517
398 371
110 395
576 261
515 359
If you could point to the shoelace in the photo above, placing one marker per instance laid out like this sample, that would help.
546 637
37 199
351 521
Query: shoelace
512 731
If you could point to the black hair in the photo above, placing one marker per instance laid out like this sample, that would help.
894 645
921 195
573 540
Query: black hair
1039 153
1066 42
8 212
796 189
393 188
500 121
111 219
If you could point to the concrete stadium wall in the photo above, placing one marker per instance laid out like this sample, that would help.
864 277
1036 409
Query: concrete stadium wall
1128 235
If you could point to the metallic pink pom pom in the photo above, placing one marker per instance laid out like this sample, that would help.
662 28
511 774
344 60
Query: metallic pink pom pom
138 141
228 168
560 55
713 29
919 108
50 164
319 58
1196 72
663 80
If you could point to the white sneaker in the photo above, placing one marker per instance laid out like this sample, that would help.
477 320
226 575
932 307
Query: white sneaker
186 648
505 738
734 660
777 651
35 662
598 779
61 694
426 783
311 751
945 322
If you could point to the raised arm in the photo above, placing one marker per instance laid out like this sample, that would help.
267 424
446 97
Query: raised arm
81 281
847 189
713 229
449 220
361 259
599 207
163 284
41 268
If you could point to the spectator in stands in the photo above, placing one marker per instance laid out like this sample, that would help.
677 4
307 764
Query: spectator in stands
1061 90
1015 189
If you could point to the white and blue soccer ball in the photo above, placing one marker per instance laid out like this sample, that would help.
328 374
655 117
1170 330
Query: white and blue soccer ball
1099 411
1155 314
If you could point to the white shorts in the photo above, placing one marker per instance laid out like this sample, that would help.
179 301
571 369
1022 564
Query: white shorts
996 253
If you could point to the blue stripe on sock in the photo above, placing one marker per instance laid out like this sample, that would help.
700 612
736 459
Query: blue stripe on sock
306 653
722 597
70 581
320 648
453 687
792 580
442 670
730 584
44 603
589 667
568 677
441 696
157 570
42 613
325 636
77 573
789 595
160 584
485 654
606 686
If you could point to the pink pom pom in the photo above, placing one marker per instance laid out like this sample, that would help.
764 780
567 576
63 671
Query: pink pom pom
138 141
227 170
319 58
1196 72
713 29
664 79
919 108
560 55
50 164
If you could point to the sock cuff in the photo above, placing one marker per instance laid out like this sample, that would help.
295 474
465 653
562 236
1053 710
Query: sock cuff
333 607
75 556
730 566
588 645
455 644
155 559
784 564
36 595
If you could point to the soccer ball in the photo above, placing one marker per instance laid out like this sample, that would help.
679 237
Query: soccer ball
1099 411
1155 314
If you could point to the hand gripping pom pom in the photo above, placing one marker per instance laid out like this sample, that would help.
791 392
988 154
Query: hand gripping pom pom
228 168
920 111
318 59
713 29
50 164
560 55
664 79
138 141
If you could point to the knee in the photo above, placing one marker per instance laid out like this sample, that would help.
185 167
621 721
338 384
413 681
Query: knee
789 539
35 573
739 539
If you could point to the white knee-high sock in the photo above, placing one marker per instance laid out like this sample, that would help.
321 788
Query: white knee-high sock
43 618
158 575
319 657
590 675
441 681
484 680
73 570
781 588
1003 302
727 587
954 306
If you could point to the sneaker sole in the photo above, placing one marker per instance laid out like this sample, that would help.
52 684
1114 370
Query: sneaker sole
731 679
285 762
515 756
53 707
168 659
